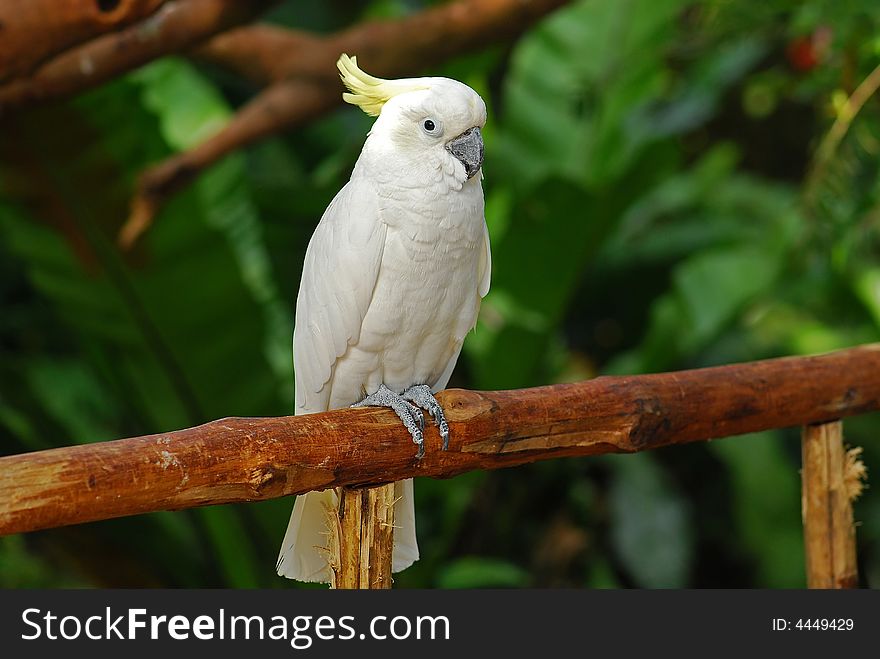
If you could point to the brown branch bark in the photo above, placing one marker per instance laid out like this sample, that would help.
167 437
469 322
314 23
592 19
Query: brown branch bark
390 48
829 531
33 31
257 119
117 47
304 83
51 50
252 459
265 53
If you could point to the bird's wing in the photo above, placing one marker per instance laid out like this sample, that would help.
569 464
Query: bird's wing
339 275
485 271
484 275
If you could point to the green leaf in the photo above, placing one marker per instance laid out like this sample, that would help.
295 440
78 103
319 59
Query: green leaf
187 329
767 506
233 549
867 287
223 194
577 83
480 572
651 527
714 285
536 265
69 391
20 568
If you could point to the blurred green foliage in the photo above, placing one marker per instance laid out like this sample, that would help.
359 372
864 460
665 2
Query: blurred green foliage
655 202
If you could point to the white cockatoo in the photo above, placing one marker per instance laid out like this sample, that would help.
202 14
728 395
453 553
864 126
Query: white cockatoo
392 282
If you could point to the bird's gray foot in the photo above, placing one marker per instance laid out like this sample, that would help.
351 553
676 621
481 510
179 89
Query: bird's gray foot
411 415
421 395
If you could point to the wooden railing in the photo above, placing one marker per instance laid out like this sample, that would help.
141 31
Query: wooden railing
249 459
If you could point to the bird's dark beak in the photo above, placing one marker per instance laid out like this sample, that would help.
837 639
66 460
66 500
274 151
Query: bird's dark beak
468 148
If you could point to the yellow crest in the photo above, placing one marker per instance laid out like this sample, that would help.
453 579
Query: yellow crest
367 92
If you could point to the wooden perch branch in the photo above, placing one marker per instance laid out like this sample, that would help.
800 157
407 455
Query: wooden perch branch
247 459
300 70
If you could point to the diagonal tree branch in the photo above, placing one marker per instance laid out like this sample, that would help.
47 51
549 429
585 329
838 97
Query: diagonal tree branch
265 53
117 47
282 105
235 460
33 31
303 82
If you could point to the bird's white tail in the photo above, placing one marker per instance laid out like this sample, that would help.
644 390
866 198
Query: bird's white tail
304 551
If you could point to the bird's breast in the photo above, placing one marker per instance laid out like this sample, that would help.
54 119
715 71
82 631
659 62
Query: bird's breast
426 296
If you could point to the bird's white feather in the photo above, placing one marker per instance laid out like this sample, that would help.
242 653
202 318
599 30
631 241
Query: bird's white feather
485 263
391 284
339 273
305 549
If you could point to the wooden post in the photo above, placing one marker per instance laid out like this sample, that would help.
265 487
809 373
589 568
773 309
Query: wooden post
362 542
831 480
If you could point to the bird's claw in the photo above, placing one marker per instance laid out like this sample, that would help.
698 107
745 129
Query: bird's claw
406 406
418 416
412 416
421 395
444 433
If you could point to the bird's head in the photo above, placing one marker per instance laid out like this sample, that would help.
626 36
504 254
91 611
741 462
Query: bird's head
421 117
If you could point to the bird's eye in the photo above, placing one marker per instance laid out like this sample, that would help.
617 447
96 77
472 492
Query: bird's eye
432 127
